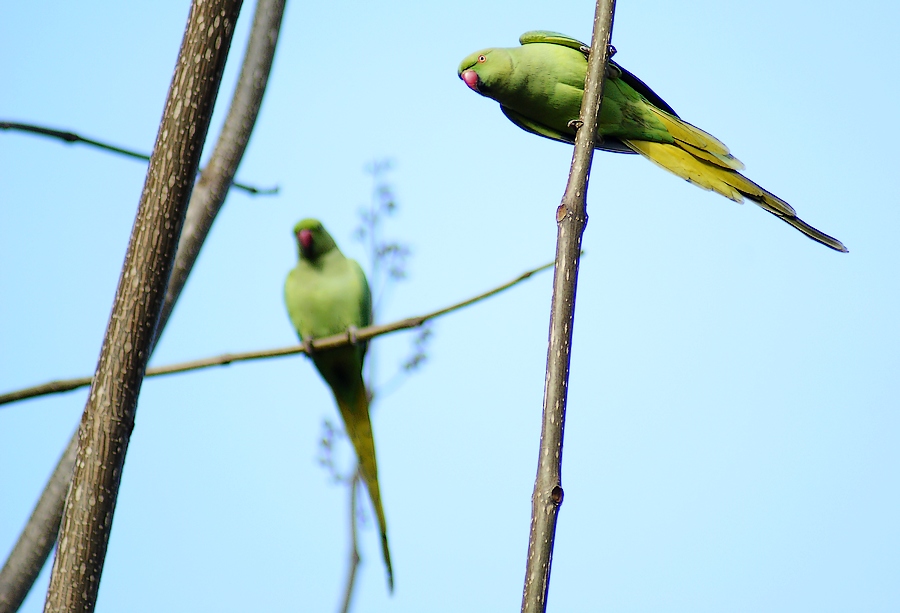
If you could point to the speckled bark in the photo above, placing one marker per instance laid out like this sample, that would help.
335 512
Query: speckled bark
37 539
571 218
215 181
108 418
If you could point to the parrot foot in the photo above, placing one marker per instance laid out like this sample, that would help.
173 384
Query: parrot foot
307 346
351 335
610 51
575 124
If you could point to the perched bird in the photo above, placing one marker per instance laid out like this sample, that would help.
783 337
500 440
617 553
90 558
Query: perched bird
540 84
326 294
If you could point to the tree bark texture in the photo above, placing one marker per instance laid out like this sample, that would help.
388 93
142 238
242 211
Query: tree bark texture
571 218
216 179
37 539
108 418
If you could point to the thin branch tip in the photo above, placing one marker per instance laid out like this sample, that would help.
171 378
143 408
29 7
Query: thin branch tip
72 138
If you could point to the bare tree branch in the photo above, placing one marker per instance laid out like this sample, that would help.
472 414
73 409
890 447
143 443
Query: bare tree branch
16 579
108 418
72 137
571 218
353 563
37 539
210 191
326 342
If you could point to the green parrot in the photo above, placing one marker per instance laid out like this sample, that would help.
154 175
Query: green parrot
326 294
539 86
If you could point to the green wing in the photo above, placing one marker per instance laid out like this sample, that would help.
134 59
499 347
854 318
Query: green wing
546 36
529 125
643 89
365 301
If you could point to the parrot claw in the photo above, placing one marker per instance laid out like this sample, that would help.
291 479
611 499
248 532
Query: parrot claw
351 335
575 124
307 346
610 51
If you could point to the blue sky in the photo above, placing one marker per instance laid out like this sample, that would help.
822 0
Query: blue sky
731 441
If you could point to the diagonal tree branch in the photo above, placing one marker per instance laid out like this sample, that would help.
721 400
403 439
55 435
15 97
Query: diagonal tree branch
210 191
571 218
108 418
326 342
39 535
34 544
72 137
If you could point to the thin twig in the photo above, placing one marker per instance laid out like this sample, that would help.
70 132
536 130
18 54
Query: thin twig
353 563
571 218
327 342
72 137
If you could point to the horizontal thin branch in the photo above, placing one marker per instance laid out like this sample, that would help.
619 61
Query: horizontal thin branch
72 137
328 342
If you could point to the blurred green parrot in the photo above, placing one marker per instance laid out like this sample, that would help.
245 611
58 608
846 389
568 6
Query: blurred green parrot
540 84
326 294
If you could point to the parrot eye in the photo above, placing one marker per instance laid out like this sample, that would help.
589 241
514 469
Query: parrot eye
481 59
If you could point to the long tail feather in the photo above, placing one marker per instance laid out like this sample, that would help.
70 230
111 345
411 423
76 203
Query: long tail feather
355 413
698 142
706 174
816 235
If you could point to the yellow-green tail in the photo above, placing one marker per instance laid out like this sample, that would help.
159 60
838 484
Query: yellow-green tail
703 160
355 413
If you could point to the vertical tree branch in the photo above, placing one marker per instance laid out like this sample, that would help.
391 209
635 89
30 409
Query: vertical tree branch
108 418
353 562
571 218
37 539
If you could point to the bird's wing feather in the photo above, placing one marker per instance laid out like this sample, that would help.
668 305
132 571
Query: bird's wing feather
529 125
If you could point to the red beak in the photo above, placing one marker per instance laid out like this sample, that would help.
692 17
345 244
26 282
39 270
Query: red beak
305 238
471 79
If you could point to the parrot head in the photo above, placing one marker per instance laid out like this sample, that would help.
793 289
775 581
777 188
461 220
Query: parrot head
484 70
313 240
